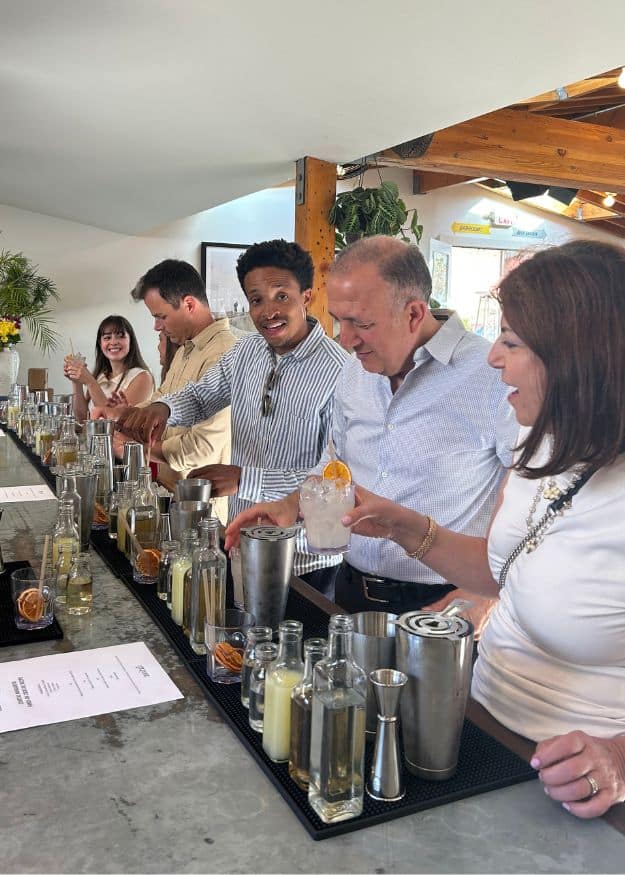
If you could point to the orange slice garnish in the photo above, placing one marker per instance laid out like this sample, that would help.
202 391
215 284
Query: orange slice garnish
31 604
100 516
147 562
230 657
337 470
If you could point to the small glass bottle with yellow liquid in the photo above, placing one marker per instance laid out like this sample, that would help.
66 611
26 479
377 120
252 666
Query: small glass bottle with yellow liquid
79 586
284 674
179 571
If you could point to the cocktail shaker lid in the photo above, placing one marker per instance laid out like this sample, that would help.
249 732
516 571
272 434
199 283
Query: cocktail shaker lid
431 624
270 533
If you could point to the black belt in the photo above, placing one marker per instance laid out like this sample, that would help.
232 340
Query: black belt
385 590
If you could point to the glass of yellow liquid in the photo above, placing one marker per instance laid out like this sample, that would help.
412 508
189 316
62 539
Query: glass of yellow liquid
79 586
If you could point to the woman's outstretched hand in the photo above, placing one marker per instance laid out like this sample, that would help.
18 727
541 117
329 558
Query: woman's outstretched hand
373 516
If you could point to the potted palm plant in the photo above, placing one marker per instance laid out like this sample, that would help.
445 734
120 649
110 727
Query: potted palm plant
24 302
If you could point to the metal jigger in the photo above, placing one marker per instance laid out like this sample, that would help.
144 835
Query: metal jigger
386 781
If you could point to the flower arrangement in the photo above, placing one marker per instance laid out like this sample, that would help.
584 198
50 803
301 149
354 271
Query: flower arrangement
9 332
24 297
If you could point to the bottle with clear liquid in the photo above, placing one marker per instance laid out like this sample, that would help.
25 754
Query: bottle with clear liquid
102 471
205 600
301 714
67 450
70 493
337 745
65 541
179 570
142 515
169 554
113 506
79 586
255 636
266 652
284 674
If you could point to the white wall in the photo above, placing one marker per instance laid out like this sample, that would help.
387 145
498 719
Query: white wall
95 270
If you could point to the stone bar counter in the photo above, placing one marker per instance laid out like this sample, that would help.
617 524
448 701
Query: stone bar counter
169 788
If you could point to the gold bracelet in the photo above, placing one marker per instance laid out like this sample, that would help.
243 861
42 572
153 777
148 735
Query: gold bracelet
427 541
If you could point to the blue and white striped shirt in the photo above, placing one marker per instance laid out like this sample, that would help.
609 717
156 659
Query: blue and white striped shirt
275 452
437 445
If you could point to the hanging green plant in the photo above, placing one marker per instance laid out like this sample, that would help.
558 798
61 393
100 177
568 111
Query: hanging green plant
24 297
364 212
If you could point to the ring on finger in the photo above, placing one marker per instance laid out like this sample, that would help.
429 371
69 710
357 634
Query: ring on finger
594 786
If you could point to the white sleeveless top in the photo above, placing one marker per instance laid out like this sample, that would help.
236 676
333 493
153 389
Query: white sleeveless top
552 657
109 386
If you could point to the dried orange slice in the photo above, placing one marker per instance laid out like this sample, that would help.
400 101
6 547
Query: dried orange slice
230 657
147 562
337 470
31 604
100 515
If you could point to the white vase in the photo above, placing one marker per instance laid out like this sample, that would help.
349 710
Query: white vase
9 367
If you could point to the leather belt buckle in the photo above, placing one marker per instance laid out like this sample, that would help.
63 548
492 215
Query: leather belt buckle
366 579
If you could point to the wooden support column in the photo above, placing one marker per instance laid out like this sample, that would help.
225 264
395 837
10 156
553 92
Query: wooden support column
313 232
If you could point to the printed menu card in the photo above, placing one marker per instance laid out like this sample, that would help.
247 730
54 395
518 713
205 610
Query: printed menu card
83 683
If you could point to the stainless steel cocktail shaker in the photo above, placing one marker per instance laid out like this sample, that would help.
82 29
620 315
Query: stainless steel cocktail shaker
435 652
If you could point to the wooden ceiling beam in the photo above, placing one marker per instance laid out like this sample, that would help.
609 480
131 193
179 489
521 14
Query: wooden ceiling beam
424 181
593 197
577 89
524 147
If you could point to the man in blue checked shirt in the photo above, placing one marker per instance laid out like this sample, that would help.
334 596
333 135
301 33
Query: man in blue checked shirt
419 417
279 384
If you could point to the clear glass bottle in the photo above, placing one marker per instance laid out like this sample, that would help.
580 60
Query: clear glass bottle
179 569
301 714
266 652
125 502
337 744
67 450
102 471
284 674
142 515
65 539
70 493
255 636
205 599
113 506
169 554
79 585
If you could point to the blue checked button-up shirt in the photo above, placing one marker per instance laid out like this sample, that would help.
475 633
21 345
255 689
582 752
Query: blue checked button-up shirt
275 452
437 445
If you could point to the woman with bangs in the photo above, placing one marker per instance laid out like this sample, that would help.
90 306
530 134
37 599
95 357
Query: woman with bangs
551 662
119 367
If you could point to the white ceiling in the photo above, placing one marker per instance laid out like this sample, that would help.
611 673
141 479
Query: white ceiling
127 114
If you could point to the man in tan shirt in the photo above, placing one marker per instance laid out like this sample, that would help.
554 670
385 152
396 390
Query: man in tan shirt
174 293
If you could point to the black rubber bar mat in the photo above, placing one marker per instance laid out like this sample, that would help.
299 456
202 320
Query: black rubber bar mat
484 764
9 633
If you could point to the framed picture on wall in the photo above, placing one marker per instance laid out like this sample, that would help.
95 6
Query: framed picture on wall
218 268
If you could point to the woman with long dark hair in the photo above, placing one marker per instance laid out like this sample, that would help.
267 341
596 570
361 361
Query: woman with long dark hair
119 367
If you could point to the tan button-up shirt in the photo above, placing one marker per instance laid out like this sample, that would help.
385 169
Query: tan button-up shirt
208 442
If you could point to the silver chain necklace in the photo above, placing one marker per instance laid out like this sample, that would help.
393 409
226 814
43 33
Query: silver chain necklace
561 501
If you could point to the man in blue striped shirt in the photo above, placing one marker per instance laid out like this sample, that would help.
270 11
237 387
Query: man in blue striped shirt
419 417
280 386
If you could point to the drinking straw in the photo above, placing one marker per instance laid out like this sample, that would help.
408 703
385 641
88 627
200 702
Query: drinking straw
331 449
71 346
42 571
207 599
